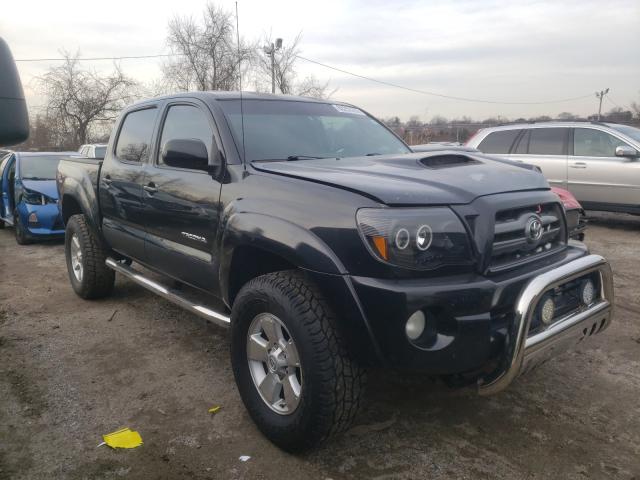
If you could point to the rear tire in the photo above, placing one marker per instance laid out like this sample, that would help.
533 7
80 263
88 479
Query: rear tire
85 255
327 383
22 237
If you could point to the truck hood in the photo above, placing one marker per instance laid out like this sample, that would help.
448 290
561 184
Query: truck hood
46 187
444 177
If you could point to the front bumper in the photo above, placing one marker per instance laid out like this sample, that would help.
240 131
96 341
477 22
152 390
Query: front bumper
522 351
49 221
479 322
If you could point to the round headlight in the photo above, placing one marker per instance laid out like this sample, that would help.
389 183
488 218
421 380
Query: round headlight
547 311
402 238
415 325
424 237
587 292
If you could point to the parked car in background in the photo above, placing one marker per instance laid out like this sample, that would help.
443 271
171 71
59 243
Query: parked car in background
93 150
576 219
28 195
597 162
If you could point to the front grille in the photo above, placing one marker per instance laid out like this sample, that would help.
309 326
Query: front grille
523 234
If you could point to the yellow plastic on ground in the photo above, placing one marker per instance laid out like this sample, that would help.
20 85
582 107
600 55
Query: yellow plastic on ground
124 438
214 409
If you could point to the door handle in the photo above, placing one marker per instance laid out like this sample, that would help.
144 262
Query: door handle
150 188
578 165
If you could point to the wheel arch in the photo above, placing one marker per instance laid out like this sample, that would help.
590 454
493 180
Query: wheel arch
263 244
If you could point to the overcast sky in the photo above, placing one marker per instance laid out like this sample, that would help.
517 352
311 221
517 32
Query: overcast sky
527 51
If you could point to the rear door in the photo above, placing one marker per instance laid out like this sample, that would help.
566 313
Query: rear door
121 177
545 147
182 204
597 177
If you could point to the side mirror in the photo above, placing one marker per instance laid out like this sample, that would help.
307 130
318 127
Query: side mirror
186 153
14 120
626 151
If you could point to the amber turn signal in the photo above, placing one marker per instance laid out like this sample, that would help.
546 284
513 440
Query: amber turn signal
381 246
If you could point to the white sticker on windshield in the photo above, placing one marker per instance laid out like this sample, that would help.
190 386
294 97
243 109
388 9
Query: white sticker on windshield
347 109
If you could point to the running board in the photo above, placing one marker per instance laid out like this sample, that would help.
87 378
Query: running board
170 294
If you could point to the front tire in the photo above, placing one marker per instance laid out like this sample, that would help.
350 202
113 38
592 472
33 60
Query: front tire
22 237
86 255
290 363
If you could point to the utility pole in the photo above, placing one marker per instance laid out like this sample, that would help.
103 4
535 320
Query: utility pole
600 95
271 51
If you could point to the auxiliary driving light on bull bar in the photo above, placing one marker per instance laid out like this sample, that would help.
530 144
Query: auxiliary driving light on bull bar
587 292
547 311
33 218
415 325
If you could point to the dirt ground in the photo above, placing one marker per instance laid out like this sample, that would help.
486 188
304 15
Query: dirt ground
72 370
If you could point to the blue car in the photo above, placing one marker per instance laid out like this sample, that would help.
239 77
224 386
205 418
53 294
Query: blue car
28 195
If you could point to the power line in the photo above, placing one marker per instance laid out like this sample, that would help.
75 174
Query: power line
375 80
434 94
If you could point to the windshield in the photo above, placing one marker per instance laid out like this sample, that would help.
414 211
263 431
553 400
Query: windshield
42 167
628 131
277 130
100 151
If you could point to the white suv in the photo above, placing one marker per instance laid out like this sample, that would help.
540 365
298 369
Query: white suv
598 162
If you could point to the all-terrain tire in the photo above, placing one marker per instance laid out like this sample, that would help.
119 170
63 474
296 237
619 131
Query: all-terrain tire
97 279
332 383
22 237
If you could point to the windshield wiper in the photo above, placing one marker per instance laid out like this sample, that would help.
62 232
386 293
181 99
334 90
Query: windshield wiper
290 158
372 154
303 157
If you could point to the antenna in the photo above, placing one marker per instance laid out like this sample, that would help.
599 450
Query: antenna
244 151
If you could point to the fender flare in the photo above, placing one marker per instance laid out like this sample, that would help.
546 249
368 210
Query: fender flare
280 237
88 203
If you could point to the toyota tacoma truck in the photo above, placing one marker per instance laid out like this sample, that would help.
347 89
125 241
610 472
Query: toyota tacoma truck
328 247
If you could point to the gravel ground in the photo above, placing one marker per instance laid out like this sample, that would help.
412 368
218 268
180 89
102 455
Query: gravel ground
72 370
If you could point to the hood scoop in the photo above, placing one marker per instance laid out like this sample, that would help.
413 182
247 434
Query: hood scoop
437 162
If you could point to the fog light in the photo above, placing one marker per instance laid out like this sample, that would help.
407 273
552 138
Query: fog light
587 292
415 325
33 218
547 311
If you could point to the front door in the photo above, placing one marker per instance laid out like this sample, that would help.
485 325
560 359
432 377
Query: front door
182 204
597 177
121 178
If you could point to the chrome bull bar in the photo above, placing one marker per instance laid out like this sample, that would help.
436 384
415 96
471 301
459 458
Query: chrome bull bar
522 352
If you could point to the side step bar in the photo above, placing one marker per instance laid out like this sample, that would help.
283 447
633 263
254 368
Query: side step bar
170 294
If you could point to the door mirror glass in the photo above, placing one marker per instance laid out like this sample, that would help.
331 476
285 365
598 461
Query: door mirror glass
14 120
186 153
626 151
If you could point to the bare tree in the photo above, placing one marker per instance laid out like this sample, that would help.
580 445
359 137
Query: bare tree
207 53
83 101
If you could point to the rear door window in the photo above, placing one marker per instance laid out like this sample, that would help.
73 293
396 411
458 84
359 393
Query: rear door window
548 141
498 142
134 140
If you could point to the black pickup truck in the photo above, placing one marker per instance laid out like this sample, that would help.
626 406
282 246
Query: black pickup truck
332 248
